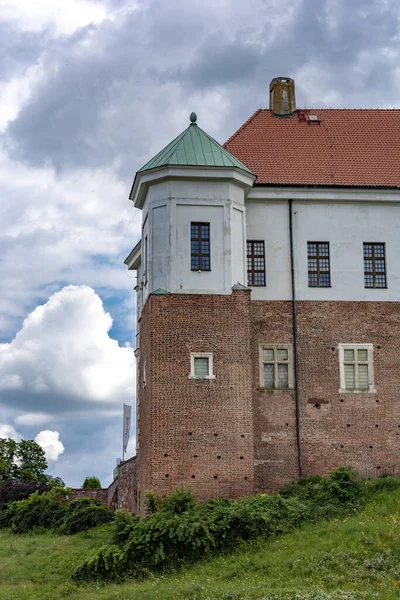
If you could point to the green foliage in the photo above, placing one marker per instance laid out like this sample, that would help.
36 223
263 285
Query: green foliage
179 501
12 490
350 558
38 511
31 461
91 483
24 461
178 531
8 449
84 513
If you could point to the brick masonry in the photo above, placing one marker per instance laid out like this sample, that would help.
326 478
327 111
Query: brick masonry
122 493
229 437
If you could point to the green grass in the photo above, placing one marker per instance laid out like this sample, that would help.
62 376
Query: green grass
350 559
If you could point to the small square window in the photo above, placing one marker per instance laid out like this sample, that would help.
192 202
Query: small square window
201 365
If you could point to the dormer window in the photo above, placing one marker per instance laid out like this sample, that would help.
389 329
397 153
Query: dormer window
200 246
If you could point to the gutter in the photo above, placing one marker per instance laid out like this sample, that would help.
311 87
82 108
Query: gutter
295 341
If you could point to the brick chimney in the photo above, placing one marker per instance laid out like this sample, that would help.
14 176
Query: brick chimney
282 100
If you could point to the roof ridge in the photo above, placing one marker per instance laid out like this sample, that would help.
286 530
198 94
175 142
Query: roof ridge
170 147
243 126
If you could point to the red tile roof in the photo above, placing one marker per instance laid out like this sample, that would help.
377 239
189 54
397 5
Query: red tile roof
347 147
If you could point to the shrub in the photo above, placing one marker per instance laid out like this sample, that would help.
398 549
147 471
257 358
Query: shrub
91 483
83 514
39 510
13 490
178 502
178 531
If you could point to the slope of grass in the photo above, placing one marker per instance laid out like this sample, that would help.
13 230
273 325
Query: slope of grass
355 558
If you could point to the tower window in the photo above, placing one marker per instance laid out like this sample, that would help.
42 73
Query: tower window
374 265
255 263
201 365
200 247
319 273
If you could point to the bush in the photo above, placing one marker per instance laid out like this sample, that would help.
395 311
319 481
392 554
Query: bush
178 531
83 514
39 510
91 483
13 490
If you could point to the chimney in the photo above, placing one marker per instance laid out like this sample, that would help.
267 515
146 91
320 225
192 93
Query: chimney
282 100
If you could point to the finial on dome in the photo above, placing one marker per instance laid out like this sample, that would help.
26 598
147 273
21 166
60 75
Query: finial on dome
193 118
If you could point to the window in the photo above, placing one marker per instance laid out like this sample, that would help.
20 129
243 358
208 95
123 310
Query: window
200 247
201 365
356 368
145 260
276 367
374 265
319 274
255 263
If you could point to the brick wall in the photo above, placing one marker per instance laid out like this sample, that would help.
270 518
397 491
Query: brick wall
197 433
358 429
275 445
228 436
122 493
96 493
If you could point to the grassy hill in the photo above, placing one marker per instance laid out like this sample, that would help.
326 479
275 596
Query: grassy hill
350 559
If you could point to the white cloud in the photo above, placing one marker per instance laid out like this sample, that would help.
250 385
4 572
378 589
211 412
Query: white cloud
51 444
75 228
34 419
65 17
8 431
63 350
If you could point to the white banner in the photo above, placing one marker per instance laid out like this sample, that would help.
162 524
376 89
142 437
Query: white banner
127 424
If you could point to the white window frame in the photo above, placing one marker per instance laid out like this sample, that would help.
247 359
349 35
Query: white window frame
289 362
144 375
208 355
355 347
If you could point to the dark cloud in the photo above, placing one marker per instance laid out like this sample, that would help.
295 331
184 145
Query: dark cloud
19 49
107 87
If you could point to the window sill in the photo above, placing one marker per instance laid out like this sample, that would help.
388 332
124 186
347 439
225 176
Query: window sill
264 389
319 287
201 377
371 390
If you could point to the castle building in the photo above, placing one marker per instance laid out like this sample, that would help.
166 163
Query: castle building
268 301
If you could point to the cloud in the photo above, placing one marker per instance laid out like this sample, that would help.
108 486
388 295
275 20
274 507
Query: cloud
74 229
8 431
63 359
51 444
64 18
34 419
108 97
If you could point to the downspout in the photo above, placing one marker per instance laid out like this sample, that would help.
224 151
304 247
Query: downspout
295 341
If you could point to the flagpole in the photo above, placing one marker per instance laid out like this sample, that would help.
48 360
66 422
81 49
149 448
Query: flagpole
123 431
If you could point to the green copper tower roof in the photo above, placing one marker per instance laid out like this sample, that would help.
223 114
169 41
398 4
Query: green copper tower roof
194 147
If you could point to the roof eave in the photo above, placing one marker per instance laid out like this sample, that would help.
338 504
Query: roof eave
132 261
144 179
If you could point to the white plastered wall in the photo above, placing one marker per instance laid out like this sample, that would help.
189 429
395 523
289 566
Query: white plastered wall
345 224
168 210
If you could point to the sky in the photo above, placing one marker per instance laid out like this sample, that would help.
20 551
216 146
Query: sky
90 90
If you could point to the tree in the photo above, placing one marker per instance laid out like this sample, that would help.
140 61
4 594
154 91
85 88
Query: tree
91 483
7 458
23 461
